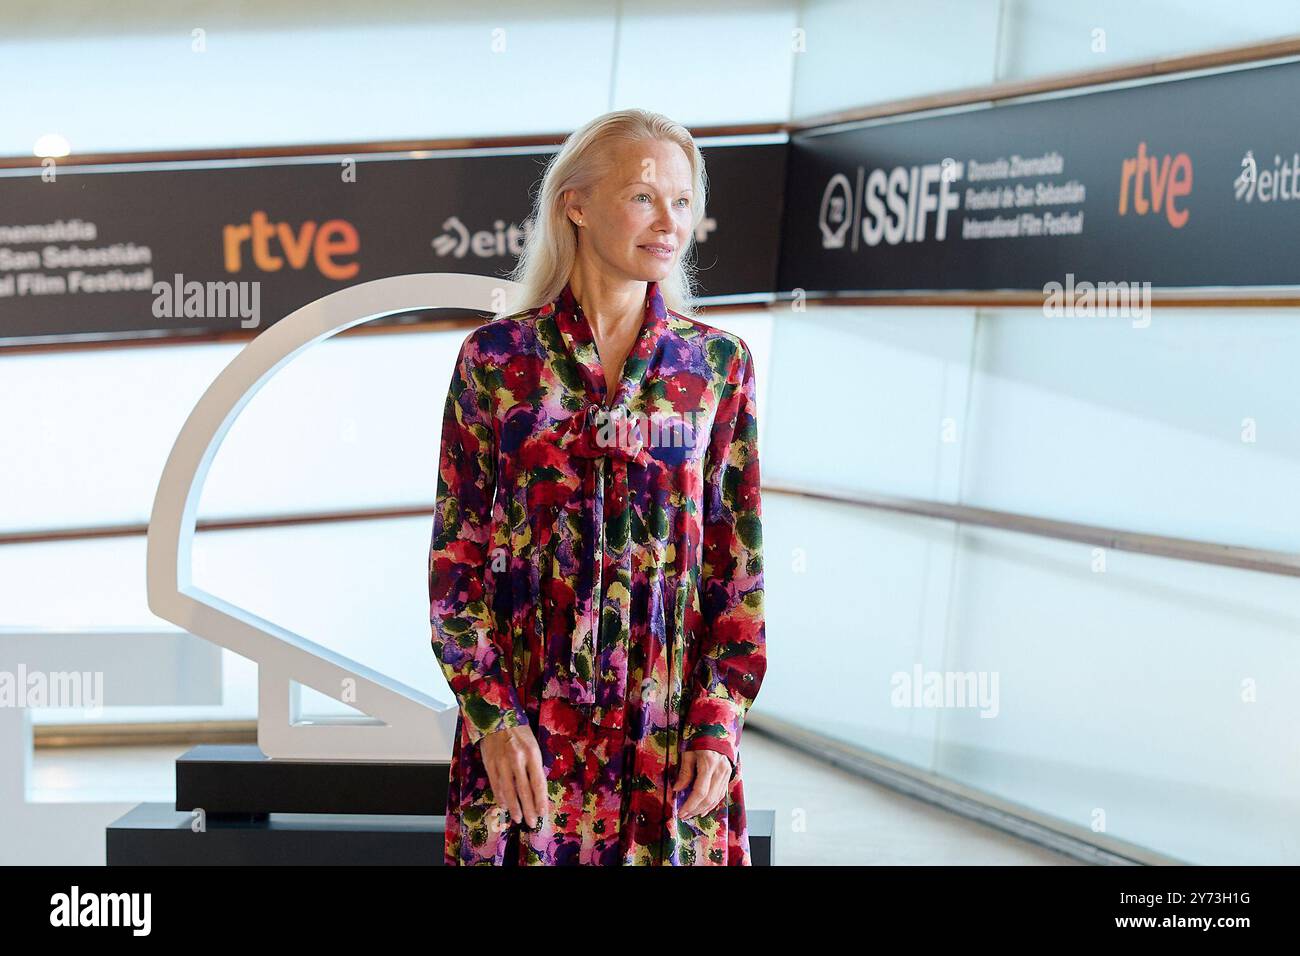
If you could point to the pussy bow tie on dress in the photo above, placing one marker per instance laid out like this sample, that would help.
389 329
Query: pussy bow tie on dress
610 438
597 432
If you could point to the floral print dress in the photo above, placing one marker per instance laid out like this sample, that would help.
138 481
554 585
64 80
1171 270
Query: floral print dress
596 572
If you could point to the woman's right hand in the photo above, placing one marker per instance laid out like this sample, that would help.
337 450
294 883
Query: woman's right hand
513 761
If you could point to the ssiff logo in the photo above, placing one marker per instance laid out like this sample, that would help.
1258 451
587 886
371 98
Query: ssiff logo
834 219
1169 180
896 204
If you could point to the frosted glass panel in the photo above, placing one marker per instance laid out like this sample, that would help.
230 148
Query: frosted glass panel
100 583
1157 696
86 434
270 77
354 422
266 74
391 72
1047 36
357 588
730 64
1154 697
869 398
351 423
853 596
72 584
1189 427
871 51
756 329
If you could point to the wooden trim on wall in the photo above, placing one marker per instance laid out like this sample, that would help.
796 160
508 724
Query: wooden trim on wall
48 535
232 336
1166 298
168 733
353 149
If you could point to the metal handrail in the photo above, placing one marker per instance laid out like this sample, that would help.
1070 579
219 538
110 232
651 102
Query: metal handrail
1166 546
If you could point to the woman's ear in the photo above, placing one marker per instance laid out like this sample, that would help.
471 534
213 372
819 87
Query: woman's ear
572 209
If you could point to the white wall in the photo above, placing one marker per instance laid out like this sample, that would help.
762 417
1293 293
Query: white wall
861 52
132 76
280 73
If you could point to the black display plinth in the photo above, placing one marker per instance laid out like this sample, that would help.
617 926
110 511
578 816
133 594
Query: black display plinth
157 834
239 778
264 812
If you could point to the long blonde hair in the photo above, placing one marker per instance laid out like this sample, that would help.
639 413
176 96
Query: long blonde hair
551 248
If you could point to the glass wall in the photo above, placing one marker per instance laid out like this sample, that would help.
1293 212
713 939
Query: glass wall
351 424
260 75
861 52
149 77
1098 686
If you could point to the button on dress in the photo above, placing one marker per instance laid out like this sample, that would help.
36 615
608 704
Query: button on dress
596 573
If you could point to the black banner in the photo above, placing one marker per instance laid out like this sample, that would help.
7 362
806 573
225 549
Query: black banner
1190 183
1187 183
98 252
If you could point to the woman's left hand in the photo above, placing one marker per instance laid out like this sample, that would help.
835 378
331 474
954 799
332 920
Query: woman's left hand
710 772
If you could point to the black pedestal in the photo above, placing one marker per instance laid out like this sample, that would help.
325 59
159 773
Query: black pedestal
264 812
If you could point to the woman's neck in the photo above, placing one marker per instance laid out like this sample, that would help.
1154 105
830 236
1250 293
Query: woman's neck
611 306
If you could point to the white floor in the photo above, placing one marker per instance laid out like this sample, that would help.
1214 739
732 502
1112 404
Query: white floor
824 815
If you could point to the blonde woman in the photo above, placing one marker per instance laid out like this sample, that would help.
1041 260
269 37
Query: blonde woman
595 576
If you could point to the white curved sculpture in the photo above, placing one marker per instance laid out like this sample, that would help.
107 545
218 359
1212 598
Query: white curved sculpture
403 724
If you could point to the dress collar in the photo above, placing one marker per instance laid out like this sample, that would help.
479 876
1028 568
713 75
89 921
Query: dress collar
575 330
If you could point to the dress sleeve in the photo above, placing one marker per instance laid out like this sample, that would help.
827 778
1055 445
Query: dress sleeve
733 651
464 626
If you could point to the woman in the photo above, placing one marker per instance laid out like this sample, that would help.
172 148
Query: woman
595 577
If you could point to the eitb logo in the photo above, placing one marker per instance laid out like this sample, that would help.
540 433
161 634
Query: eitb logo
1279 184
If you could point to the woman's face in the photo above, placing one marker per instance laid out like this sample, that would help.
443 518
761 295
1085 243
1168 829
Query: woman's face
638 219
